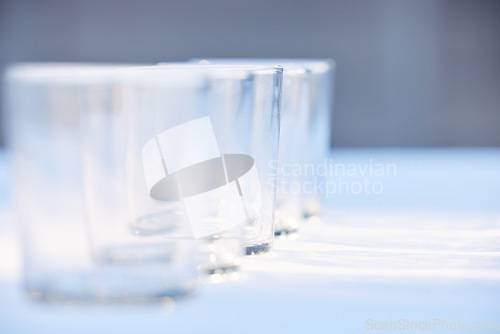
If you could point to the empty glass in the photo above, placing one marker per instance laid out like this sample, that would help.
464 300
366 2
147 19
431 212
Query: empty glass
322 75
45 138
294 136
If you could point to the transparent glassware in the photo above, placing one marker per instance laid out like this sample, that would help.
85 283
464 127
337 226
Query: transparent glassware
46 141
294 139
199 142
322 80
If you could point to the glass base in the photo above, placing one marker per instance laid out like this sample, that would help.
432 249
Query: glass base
113 286
312 210
157 223
220 274
137 254
285 232
65 297
221 257
222 270
259 249
287 222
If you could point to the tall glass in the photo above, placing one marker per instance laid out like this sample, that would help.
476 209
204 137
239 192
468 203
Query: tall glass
294 136
45 138
322 73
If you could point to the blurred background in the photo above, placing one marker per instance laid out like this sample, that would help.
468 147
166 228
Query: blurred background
410 73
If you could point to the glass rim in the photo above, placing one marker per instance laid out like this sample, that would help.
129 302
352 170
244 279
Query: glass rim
315 65
212 68
64 72
188 73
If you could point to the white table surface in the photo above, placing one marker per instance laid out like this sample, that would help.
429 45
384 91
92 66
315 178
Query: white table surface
426 248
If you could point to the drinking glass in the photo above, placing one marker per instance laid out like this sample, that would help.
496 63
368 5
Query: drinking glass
46 141
196 163
322 78
293 150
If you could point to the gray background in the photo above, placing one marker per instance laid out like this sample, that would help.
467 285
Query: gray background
410 73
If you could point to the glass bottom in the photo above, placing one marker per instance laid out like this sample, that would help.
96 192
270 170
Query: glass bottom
63 297
285 232
138 254
225 267
221 255
220 274
287 225
258 249
312 209
113 286
158 223
222 270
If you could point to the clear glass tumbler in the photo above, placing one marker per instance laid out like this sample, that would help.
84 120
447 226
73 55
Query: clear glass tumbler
294 136
322 78
199 142
46 141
